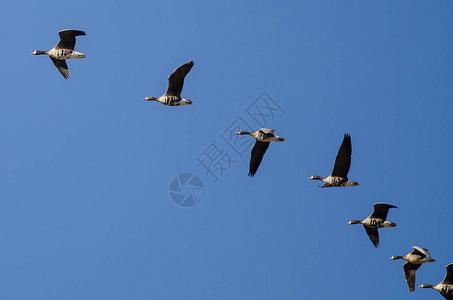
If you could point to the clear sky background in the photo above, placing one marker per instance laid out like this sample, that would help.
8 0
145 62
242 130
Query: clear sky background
86 164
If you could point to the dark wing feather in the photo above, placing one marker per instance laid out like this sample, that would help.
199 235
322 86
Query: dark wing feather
373 234
449 276
420 251
381 210
258 151
67 38
176 79
266 134
61 66
343 159
409 275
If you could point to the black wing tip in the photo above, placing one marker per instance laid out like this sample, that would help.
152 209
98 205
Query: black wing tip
373 239
449 268
75 31
373 234
64 74
189 63
252 174
385 204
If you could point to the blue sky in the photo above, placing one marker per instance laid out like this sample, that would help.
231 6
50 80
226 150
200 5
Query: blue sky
86 164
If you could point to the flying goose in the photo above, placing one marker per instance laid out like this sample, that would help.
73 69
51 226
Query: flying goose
339 176
263 138
414 260
63 50
172 96
376 220
445 288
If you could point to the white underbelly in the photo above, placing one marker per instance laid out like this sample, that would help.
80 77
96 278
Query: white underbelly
62 54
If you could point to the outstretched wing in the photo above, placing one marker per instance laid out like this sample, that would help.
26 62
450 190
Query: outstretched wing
420 251
267 133
409 275
373 234
258 151
449 277
381 210
267 130
67 38
61 66
176 79
343 159
448 297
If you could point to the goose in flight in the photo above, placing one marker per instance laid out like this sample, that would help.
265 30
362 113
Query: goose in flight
445 287
376 220
64 50
172 96
339 176
263 138
414 260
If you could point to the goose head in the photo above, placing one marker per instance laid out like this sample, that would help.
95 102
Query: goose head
150 98
316 177
397 257
38 52
351 183
242 132
354 222
425 285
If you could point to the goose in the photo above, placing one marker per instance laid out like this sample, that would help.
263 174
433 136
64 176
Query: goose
63 50
263 138
445 288
172 96
376 220
414 260
339 176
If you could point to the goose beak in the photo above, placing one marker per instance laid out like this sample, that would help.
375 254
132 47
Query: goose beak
33 53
